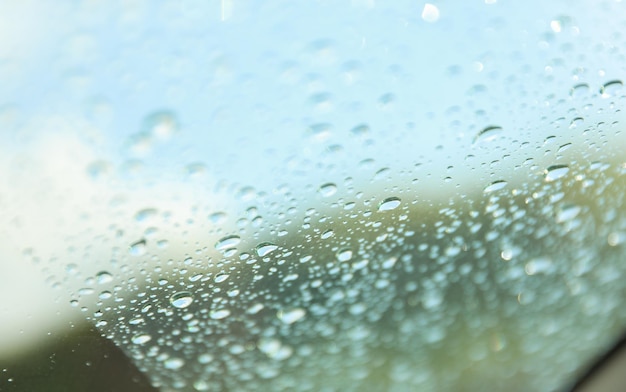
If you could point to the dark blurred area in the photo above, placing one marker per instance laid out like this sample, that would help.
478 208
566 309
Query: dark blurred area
77 361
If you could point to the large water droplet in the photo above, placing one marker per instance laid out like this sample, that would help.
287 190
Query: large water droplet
488 134
228 242
181 299
219 314
494 186
103 277
161 124
174 363
555 172
327 189
141 338
291 316
609 89
265 248
138 248
389 204
344 255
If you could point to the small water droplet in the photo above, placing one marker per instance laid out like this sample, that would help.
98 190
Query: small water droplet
265 248
162 124
217 217
174 363
494 186
219 278
228 242
579 90
361 130
103 277
181 299
344 255
327 189
327 234
145 214
291 316
389 204
219 314
555 172
138 248
567 212
488 134
141 338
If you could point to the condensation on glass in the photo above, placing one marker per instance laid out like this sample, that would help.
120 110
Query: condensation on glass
336 195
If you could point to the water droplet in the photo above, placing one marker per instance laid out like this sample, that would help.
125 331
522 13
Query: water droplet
327 234
327 189
141 338
389 204
610 88
264 248
579 90
181 299
567 212
219 314
174 363
103 277
488 134
219 278
161 124
138 248
145 214
360 130
291 316
344 255
217 217
430 13
494 186
555 172
228 242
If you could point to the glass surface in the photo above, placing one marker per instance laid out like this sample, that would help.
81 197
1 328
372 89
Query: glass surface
325 195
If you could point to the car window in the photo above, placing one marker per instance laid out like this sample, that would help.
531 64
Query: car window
330 195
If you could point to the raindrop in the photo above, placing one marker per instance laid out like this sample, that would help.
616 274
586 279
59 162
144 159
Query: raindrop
291 316
227 242
555 172
174 363
138 248
264 248
103 277
360 130
609 88
219 278
181 299
344 255
327 234
217 217
145 214
488 134
141 338
219 314
389 204
327 189
495 186
567 212
579 90
162 124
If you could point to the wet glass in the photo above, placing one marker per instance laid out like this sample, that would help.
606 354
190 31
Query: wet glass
331 195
